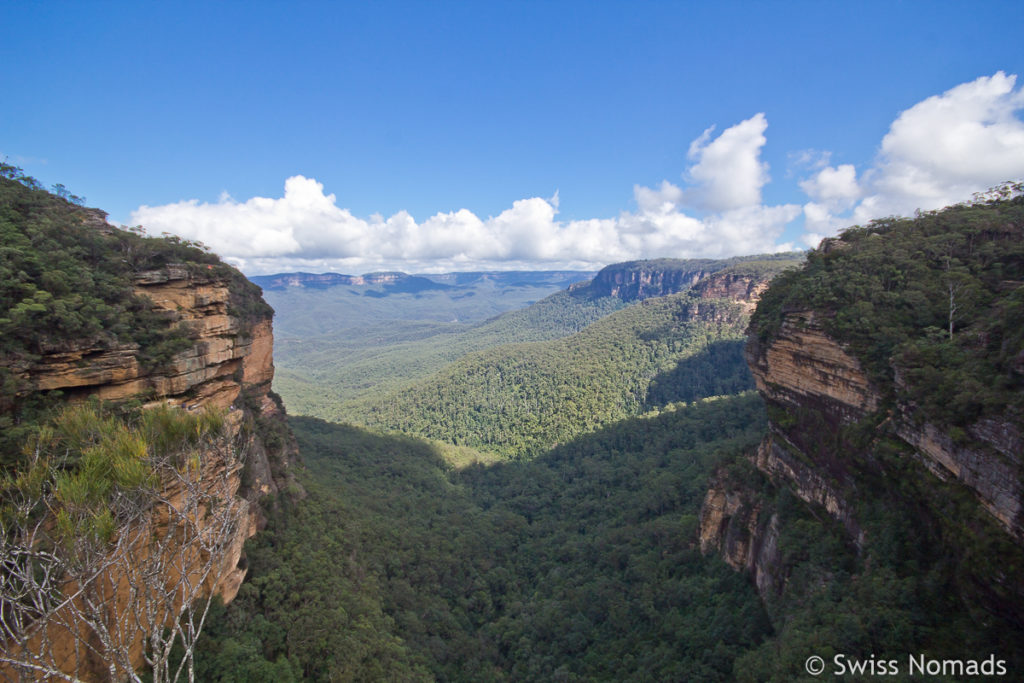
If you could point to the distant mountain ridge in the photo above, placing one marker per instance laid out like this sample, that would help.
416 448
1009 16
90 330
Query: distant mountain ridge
390 280
639 280
405 282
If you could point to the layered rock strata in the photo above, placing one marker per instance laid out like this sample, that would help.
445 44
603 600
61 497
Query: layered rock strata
229 367
737 525
636 281
801 370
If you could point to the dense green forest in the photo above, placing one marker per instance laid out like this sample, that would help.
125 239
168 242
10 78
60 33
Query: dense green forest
578 565
336 348
320 375
581 564
522 399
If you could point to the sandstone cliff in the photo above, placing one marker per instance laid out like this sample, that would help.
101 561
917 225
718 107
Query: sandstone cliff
741 279
894 414
743 288
638 280
739 526
228 366
801 370
89 311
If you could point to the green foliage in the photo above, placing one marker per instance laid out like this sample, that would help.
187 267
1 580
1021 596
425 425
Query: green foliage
937 300
522 399
577 565
719 370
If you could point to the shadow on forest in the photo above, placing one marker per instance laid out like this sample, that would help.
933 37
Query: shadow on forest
719 370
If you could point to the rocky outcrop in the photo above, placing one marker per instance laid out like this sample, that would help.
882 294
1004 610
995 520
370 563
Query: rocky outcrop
639 280
801 366
989 463
740 279
228 366
203 374
197 529
735 523
800 370
813 387
782 462
743 289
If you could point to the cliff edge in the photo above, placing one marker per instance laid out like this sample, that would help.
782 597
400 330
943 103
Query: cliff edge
94 315
890 366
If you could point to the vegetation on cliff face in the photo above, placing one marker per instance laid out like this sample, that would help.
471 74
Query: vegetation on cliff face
118 524
65 276
916 580
66 282
932 306
112 537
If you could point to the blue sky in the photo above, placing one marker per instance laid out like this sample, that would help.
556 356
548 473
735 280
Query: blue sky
444 130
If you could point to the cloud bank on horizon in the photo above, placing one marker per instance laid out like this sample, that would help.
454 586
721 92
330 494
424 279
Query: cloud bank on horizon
938 152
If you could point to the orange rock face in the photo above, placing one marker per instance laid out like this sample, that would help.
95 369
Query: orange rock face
229 357
202 375
744 290
733 524
801 367
802 364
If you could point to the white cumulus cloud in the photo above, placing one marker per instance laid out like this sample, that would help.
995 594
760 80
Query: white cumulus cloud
728 172
938 152
307 229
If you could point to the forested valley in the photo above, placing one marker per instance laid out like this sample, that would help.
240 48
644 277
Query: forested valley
633 474
538 510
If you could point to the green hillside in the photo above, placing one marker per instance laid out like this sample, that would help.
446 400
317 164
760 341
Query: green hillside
318 375
522 399
340 376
